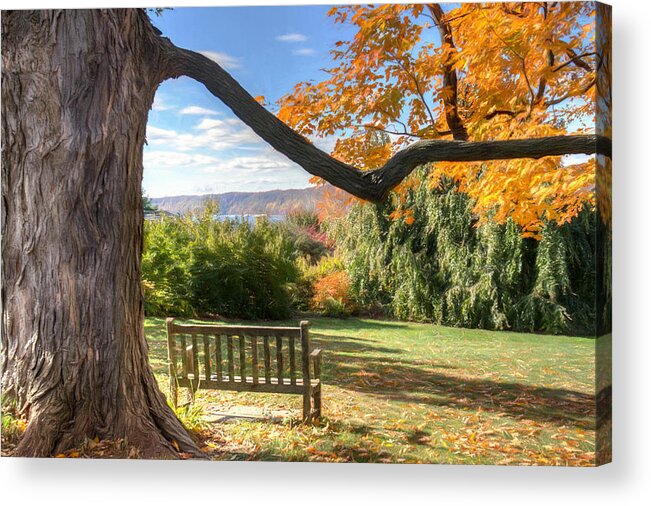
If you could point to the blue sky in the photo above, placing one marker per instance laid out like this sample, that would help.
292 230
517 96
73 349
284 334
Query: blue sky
195 144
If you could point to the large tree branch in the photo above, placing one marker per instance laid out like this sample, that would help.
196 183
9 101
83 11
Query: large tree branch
369 185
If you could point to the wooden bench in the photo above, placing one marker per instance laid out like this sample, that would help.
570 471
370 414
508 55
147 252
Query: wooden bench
224 357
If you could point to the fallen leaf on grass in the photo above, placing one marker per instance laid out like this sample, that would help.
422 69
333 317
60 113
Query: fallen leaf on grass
366 374
69 455
92 443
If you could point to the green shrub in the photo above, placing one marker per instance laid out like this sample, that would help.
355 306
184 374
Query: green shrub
243 271
165 267
334 308
302 219
196 265
313 288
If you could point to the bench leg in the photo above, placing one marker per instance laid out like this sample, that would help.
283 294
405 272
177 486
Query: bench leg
316 396
174 392
307 406
194 386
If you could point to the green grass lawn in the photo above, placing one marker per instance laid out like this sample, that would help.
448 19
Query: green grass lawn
407 392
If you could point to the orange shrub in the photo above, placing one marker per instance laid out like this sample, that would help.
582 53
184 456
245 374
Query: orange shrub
332 294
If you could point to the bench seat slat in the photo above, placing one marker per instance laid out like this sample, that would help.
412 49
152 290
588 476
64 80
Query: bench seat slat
242 344
254 359
195 355
206 356
279 358
231 360
267 359
218 354
292 360
184 357
248 385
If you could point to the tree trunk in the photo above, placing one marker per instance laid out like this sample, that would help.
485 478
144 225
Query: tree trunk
76 90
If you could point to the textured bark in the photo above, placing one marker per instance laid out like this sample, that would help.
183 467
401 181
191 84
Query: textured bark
76 90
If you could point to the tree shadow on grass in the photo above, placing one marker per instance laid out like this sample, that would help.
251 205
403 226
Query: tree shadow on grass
347 364
349 345
325 324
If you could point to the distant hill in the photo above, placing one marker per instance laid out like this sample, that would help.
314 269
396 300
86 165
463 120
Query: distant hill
239 203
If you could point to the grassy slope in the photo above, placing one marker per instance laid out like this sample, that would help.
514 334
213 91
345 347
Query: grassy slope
404 392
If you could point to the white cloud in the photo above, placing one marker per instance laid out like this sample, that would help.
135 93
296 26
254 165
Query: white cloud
289 178
326 144
225 60
292 37
269 161
568 160
161 160
304 51
177 173
210 134
208 123
160 103
199 111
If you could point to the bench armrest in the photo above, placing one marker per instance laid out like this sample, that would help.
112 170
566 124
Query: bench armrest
315 358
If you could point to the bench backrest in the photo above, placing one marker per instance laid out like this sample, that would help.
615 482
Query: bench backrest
228 354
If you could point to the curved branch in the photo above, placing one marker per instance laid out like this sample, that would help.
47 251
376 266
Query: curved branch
502 112
380 129
450 80
417 85
542 83
577 59
372 185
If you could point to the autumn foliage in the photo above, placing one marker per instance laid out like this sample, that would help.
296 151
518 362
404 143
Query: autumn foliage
332 293
473 72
